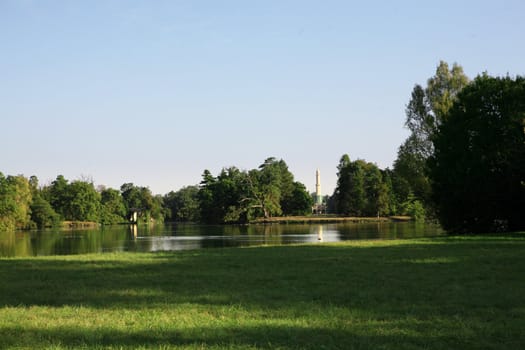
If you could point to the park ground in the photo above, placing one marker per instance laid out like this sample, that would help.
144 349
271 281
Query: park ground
434 293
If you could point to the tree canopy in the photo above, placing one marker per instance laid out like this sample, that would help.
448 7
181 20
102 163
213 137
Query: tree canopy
239 196
15 202
361 189
478 166
425 112
183 205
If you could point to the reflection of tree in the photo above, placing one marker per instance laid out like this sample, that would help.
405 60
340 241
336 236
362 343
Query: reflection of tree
184 236
51 242
46 242
15 244
119 238
59 242
320 233
272 234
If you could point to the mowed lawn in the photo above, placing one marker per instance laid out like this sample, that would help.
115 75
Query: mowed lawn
438 293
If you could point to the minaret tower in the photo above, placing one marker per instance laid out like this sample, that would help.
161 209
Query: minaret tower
318 198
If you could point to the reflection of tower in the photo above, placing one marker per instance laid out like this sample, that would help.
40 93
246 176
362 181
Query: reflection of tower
133 230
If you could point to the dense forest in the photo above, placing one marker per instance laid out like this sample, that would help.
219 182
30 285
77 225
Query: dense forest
463 163
232 196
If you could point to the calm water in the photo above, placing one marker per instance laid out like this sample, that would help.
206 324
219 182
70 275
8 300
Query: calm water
171 237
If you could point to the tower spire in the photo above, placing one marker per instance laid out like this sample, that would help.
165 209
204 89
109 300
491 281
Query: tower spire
318 198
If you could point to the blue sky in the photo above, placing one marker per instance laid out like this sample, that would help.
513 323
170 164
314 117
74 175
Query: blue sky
154 92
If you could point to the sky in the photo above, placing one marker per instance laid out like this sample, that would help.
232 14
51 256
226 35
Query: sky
155 92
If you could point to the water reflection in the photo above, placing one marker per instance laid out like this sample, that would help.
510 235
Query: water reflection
133 229
320 233
172 237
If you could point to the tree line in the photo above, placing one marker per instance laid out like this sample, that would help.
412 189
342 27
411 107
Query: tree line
239 196
363 189
25 204
463 164
233 196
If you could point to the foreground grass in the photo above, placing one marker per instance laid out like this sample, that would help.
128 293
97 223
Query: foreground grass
459 293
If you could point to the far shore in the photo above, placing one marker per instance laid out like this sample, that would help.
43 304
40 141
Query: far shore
328 219
314 219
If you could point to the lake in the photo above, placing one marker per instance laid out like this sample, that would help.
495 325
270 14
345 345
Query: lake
173 237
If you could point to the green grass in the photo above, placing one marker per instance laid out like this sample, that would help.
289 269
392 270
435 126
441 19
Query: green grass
441 293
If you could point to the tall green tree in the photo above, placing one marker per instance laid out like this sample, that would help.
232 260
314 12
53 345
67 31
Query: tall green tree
157 210
376 192
183 205
360 189
77 200
208 201
230 195
57 195
478 167
425 112
84 202
239 196
298 202
341 196
389 203
15 202
428 108
137 198
42 213
267 185
274 191
113 208
223 199
357 195
410 170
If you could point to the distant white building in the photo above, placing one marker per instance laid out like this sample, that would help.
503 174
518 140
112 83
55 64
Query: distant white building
319 206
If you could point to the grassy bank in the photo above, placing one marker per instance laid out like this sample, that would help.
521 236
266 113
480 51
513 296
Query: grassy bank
459 293
320 219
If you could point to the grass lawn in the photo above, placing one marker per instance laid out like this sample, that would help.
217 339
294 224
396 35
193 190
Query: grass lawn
440 293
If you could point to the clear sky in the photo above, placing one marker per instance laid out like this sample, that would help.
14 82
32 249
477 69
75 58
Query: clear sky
154 92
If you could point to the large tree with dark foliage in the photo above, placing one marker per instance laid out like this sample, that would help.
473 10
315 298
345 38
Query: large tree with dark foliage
139 198
478 166
77 200
360 189
112 206
221 198
236 196
182 205
425 112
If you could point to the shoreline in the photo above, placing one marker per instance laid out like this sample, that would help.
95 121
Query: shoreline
328 219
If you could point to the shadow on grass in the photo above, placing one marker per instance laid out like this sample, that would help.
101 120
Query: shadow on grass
440 293
441 277
262 337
